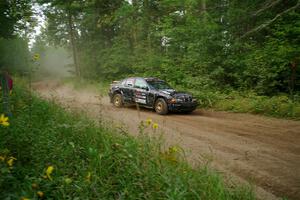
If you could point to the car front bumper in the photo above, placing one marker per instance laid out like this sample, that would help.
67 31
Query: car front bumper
183 107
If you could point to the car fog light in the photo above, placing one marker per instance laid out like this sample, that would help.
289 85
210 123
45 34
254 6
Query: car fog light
173 100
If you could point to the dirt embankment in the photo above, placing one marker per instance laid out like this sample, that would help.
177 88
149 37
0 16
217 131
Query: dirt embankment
262 151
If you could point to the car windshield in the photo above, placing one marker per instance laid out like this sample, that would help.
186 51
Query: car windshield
159 85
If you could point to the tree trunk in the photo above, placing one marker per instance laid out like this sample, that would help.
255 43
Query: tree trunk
134 28
147 24
203 5
203 9
293 66
73 44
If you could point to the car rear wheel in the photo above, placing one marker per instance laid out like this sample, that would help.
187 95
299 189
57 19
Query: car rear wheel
187 111
118 100
161 106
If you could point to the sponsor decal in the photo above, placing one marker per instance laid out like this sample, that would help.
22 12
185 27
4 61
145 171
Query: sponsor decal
142 101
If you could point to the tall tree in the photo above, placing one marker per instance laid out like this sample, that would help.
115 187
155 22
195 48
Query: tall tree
63 17
249 44
15 23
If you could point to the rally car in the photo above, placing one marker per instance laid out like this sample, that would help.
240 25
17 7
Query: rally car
151 93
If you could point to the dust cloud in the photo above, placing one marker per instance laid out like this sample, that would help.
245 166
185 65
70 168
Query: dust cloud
54 62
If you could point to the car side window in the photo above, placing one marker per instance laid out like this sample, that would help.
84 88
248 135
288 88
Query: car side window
140 83
129 82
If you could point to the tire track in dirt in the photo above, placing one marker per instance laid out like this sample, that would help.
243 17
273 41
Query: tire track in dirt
244 148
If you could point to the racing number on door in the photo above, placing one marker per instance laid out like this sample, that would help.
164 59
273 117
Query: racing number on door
140 97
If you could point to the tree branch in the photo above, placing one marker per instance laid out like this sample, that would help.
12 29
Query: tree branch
266 7
264 25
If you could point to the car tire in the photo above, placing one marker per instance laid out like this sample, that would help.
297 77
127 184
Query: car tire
188 111
117 100
161 106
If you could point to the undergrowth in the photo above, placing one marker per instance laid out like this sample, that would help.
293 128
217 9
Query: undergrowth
280 106
47 153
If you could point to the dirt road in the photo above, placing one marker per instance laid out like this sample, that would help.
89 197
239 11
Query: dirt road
262 151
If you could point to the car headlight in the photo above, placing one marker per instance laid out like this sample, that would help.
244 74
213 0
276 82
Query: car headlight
179 100
174 100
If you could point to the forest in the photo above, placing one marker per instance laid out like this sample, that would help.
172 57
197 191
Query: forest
203 45
61 138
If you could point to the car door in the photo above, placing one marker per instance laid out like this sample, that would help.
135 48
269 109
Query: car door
128 90
141 92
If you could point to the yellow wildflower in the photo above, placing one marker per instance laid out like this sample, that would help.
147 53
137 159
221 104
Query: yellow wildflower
155 126
34 186
2 158
24 198
4 120
88 177
49 172
68 180
173 149
148 122
40 194
10 161
36 57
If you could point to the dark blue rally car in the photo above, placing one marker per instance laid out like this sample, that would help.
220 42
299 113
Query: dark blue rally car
150 93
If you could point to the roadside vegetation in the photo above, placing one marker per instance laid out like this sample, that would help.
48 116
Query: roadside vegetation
46 153
281 106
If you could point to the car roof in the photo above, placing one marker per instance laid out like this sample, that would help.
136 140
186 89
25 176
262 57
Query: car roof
145 78
152 79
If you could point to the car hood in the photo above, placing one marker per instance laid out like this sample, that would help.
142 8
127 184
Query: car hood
174 93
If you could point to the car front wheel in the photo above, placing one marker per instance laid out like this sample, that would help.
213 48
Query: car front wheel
118 100
161 106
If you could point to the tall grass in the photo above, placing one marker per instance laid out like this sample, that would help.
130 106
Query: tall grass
248 102
92 162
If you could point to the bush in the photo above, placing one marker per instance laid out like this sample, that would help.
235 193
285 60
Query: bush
243 102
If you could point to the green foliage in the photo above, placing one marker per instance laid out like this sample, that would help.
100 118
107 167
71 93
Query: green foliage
92 162
250 102
14 54
202 44
269 67
15 18
15 24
